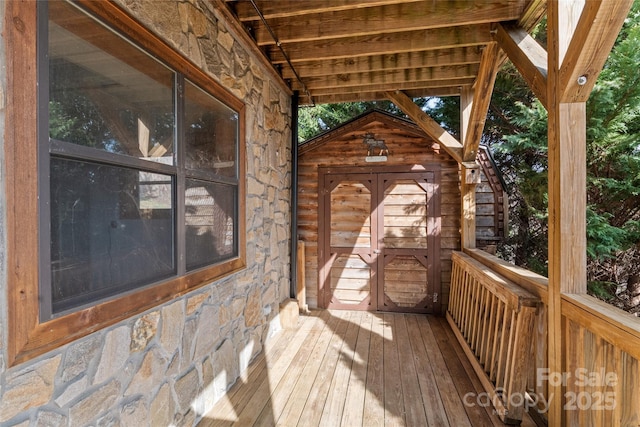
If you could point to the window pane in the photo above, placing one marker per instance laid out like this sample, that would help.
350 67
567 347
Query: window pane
104 92
211 133
210 223
111 230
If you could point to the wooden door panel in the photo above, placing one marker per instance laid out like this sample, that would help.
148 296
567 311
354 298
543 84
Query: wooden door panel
379 241
405 214
406 283
350 207
350 281
347 274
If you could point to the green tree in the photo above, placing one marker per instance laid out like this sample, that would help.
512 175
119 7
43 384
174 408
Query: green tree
323 117
517 132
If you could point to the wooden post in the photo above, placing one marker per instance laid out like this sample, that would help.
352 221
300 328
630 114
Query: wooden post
474 103
301 292
567 197
468 182
469 171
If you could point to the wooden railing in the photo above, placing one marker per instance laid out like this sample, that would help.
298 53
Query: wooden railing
602 347
601 354
493 319
537 285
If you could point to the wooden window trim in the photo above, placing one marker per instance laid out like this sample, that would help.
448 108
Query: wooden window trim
27 336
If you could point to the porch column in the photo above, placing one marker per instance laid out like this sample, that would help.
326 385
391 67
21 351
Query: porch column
467 181
567 196
474 104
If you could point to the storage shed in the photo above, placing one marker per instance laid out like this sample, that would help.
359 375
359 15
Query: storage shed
379 213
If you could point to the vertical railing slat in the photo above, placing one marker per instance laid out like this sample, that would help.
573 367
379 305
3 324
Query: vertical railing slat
493 373
613 364
629 398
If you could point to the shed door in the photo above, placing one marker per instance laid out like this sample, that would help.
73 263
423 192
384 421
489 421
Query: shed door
379 242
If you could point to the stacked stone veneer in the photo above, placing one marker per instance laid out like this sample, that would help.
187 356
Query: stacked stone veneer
169 365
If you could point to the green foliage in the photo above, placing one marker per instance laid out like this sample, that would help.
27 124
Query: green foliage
602 289
516 132
603 239
613 148
323 117
613 157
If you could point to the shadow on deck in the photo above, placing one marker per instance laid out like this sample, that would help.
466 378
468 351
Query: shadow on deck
359 368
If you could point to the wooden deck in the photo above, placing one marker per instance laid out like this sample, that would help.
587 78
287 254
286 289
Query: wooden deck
358 369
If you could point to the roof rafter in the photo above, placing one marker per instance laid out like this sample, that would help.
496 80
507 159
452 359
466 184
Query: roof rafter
441 38
385 19
481 98
334 51
416 85
290 8
389 77
527 56
398 61
533 14
379 94
427 124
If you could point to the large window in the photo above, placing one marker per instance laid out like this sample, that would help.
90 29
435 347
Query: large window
139 173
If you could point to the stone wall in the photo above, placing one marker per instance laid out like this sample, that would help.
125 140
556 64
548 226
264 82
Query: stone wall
169 365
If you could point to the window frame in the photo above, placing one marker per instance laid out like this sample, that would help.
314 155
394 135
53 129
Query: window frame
28 337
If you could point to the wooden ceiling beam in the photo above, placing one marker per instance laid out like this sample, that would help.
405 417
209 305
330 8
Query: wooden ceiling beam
349 47
481 99
363 64
527 56
589 47
533 14
408 85
378 95
385 19
293 8
388 77
427 124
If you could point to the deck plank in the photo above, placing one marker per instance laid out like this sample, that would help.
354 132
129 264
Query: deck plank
313 408
281 391
358 369
436 415
334 407
374 393
293 410
393 405
414 414
259 400
354 401
463 386
454 407
228 408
